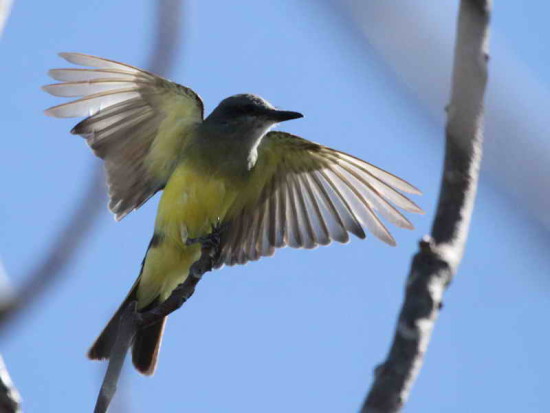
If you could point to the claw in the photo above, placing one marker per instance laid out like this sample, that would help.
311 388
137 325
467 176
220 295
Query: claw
210 241
210 250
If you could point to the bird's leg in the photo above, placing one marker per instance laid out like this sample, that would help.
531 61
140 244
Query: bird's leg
212 240
210 247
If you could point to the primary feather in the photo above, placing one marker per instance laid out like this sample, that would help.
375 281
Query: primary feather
311 195
136 122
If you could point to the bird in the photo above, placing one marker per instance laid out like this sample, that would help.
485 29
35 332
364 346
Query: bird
268 189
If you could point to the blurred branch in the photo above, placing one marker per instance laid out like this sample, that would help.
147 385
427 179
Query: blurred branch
435 265
10 400
168 25
132 321
64 248
383 28
5 10
68 241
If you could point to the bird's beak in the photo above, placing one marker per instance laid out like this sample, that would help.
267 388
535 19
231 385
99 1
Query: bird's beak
283 115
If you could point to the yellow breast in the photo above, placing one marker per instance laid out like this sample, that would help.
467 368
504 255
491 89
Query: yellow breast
193 201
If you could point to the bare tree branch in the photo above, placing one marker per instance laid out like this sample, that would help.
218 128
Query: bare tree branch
421 67
132 321
436 263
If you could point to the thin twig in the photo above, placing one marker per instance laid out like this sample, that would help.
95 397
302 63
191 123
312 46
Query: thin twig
435 265
125 335
132 321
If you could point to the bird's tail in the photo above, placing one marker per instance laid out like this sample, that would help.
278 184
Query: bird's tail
145 349
146 345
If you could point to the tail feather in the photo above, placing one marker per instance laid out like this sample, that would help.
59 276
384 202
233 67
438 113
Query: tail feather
103 345
146 348
146 345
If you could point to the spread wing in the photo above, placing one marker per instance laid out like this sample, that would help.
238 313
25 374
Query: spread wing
136 122
310 195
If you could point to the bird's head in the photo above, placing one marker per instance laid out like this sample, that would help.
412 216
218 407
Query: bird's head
249 110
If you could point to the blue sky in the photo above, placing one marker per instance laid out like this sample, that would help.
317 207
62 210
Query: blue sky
303 330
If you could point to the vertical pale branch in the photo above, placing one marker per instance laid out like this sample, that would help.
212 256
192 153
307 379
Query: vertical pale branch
436 263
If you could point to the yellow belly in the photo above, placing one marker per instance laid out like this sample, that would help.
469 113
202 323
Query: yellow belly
191 204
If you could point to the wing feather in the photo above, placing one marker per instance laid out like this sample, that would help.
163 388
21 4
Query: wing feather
311 196
80 75
89 87
82 59
294 238
365 210
281 222
137 122
379 203
376 180
348 214
337 229
304 226
316 225
90 105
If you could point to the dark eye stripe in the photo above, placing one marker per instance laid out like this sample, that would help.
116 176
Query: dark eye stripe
243 110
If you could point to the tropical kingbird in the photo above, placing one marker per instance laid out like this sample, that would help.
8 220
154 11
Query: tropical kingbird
267 189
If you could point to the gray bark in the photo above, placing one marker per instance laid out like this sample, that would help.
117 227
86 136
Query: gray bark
436 263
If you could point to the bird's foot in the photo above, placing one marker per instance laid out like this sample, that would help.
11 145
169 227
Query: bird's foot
211 250
210 241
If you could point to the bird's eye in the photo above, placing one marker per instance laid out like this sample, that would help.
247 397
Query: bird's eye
243 110
249 109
